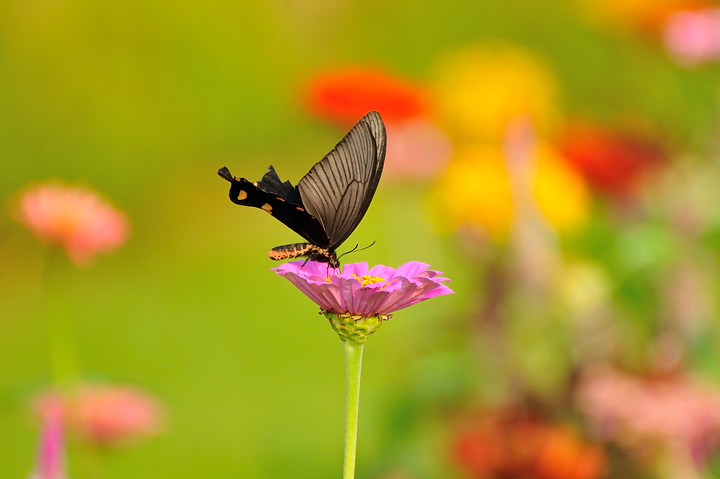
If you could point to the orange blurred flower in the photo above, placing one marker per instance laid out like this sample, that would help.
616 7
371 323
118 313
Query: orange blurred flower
475 191
75 219
510 443
343 96
652 414
103 414
648 15
613 162
480 90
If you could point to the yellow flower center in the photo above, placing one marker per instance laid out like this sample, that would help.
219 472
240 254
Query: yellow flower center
365 280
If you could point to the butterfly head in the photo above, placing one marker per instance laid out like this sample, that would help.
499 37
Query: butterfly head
324 255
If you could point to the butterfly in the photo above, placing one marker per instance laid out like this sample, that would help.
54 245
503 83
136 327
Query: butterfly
329 201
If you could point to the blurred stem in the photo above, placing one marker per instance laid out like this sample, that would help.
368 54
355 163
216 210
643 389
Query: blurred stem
353 366
59 327
88 461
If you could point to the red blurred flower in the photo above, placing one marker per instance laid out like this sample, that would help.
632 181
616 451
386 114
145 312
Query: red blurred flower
344 96
75 219
512 444
102 414
647 414
613 163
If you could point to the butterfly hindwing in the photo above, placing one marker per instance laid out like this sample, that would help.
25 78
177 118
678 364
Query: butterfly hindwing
339 188
278 198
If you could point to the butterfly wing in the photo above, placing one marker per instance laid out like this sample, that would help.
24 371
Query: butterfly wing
280 199
339 188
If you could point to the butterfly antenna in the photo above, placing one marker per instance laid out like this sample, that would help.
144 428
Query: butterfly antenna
355 249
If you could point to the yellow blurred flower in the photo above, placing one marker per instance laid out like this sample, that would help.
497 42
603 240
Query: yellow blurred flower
475 190
478 91
478 192
560 192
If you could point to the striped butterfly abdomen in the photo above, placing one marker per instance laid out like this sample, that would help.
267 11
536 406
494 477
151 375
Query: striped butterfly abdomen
298 250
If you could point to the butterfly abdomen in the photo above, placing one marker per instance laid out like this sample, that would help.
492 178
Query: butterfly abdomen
297 250
288 251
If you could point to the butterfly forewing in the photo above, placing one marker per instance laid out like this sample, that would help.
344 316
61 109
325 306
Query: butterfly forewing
280 199
338 189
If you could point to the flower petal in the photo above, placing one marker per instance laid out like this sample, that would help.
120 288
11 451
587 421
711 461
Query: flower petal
348 292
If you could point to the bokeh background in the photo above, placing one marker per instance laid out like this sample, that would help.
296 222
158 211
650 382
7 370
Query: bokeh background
558 160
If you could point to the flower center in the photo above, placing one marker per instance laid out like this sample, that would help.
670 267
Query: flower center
366 280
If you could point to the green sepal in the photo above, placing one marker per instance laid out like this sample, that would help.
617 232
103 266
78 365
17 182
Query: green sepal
354 329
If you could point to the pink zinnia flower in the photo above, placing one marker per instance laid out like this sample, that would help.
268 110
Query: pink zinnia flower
75 219
103 414
362 291
356 301
49 462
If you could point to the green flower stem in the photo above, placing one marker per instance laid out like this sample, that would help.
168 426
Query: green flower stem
58 323
353 367
61 347
353 331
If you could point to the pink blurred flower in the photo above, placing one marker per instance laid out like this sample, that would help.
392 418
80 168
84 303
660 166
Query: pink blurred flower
419 149
49 462
103 414
693 37
75 219
362 291
671 414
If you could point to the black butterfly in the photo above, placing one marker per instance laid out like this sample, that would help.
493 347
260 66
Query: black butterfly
329 201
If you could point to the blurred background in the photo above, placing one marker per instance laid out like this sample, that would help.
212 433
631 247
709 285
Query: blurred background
557 160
